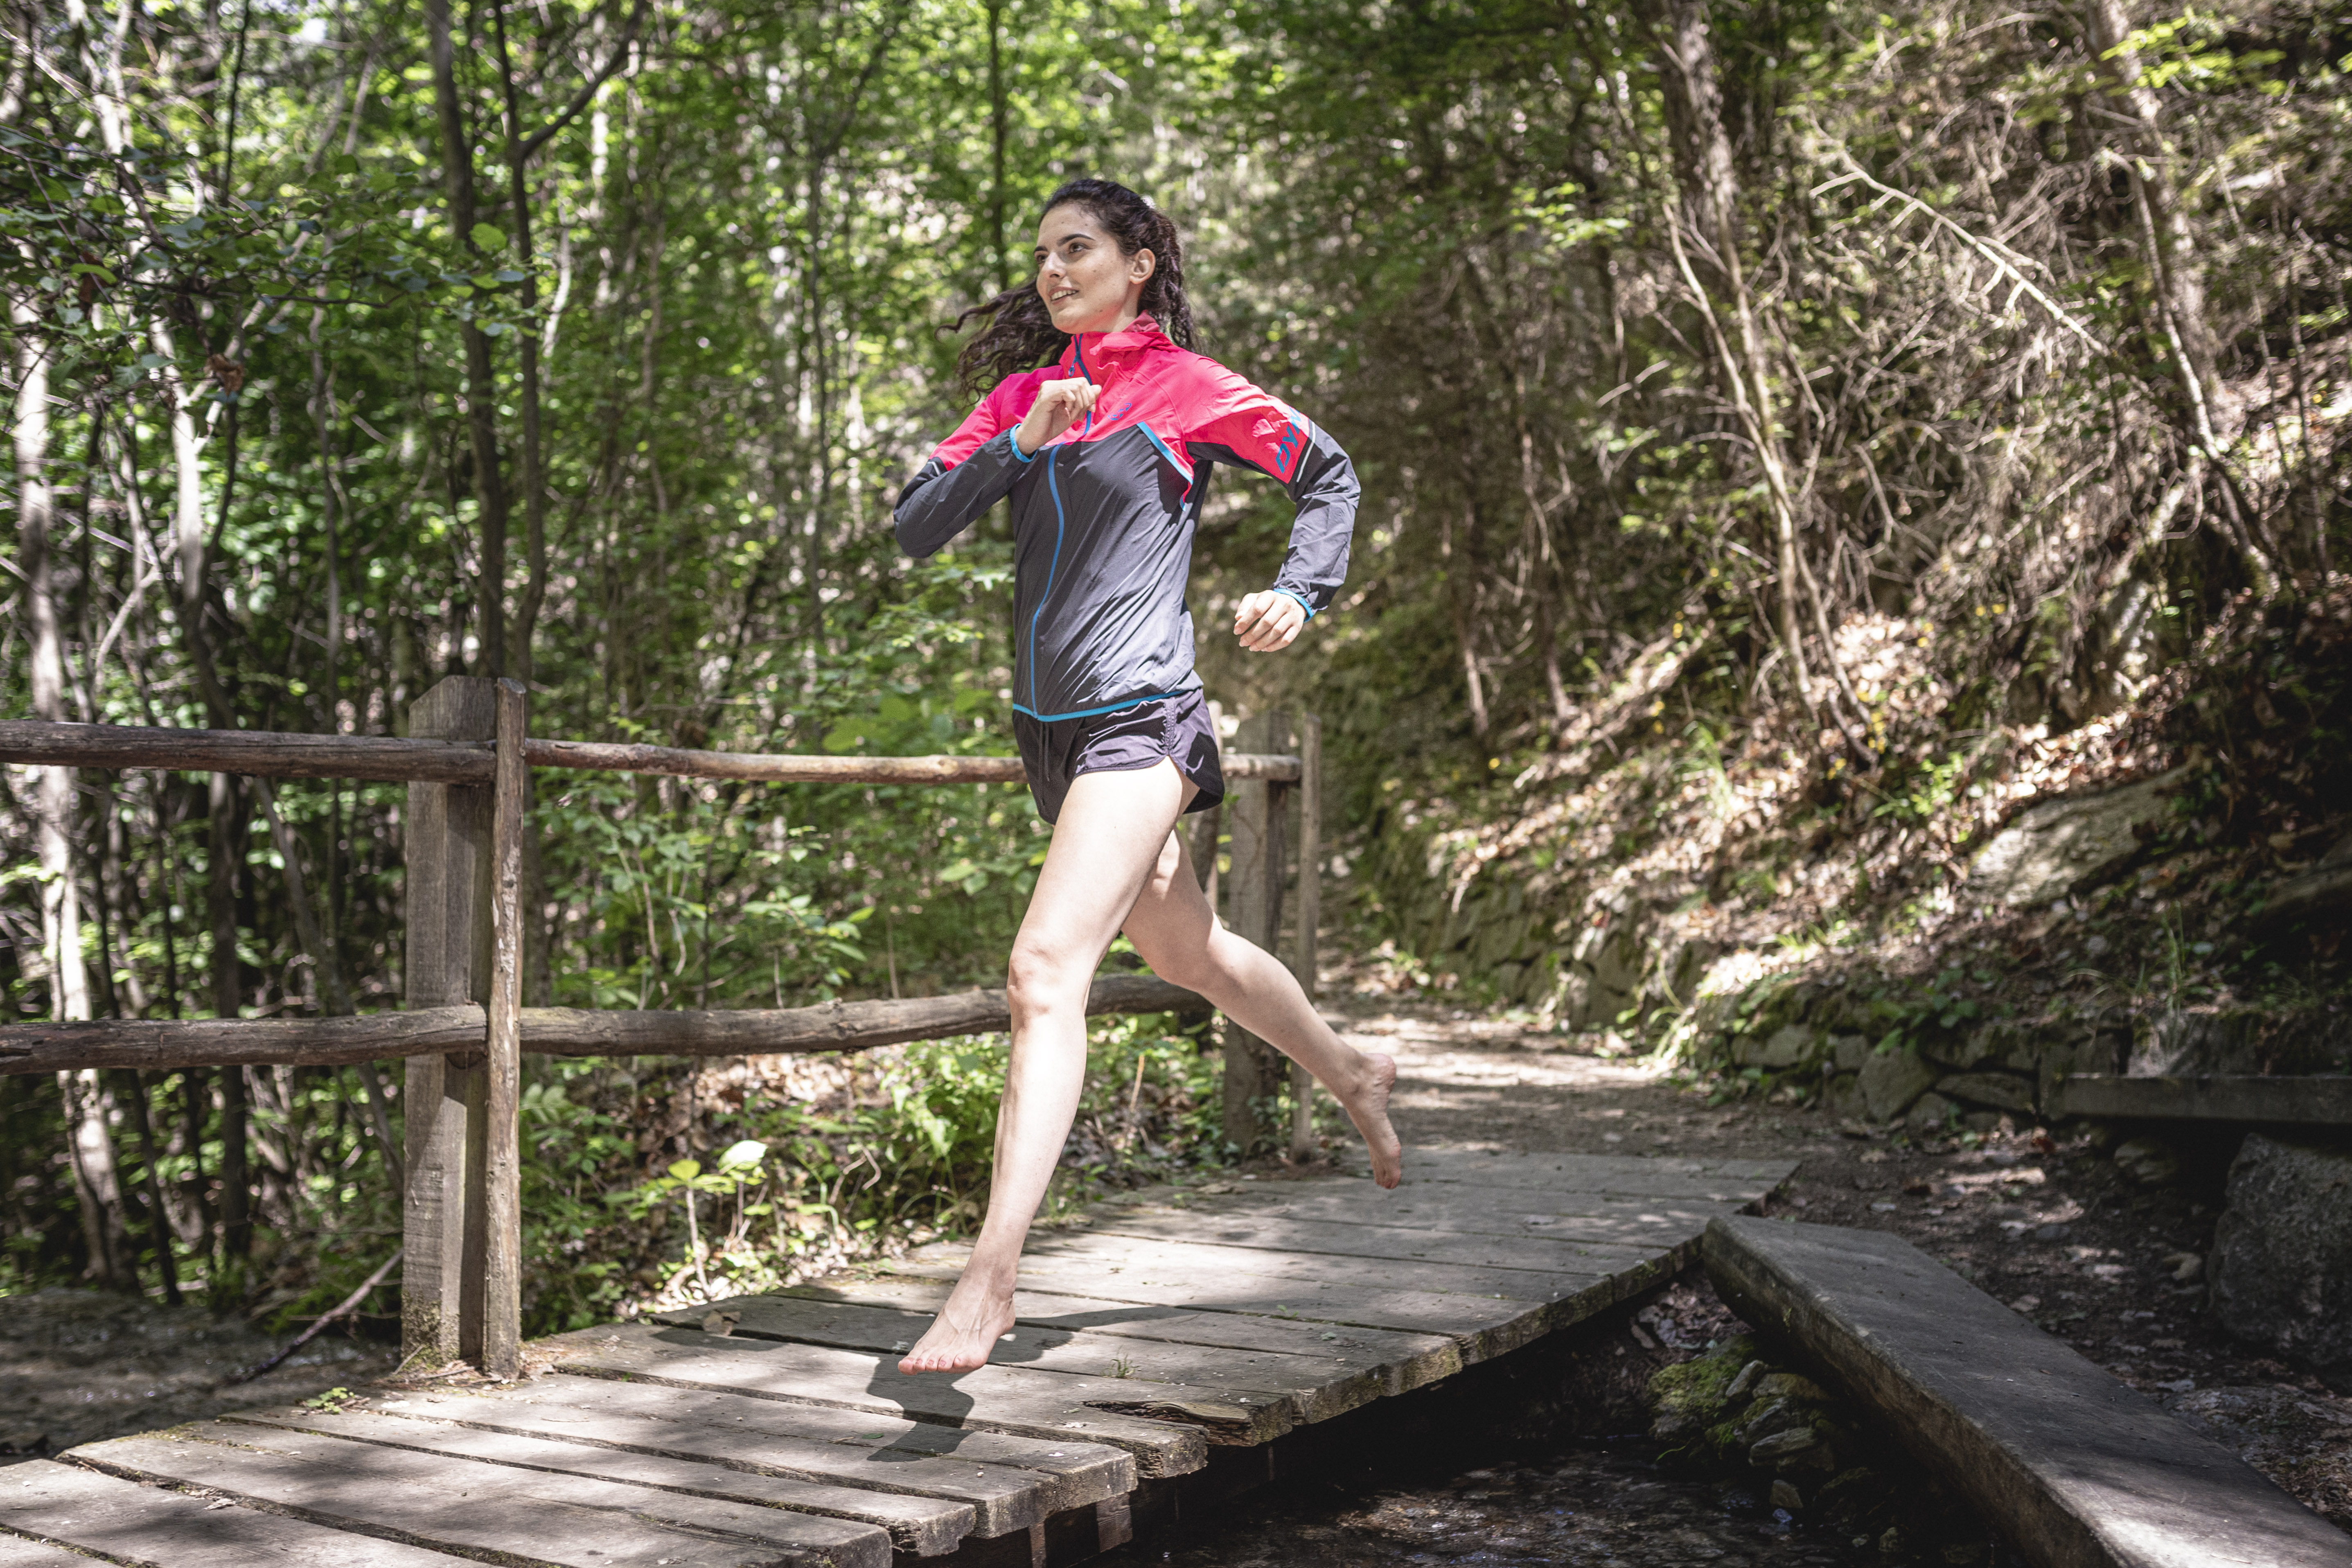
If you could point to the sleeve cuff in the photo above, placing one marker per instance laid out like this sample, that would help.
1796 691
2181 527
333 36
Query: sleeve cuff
1012 439
1302 600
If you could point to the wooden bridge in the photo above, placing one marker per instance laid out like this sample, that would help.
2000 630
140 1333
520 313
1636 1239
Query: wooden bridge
1170 1352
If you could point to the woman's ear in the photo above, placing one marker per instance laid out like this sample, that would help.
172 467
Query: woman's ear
1141 266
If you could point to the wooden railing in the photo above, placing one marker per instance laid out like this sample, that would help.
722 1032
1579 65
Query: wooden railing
464 1028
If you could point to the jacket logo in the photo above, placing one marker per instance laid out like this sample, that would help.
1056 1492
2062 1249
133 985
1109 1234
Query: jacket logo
1287 449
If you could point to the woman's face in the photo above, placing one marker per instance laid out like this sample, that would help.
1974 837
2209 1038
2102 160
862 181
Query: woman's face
1086 283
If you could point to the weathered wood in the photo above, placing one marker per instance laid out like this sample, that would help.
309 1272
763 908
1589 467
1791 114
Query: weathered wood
2077 1469
1267 1391
448 852
1485 1313
1311 914
1254 1069
156 1528
1621 1233
774 768
1607 1175
165 1043
1453 1208
1014 1400
927 1526
253 752
464 1506
502 1070
453 760
15 1551
2322 1101
838 1448
1411 1358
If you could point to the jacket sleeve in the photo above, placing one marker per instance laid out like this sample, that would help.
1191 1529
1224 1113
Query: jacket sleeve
1249 427
970 472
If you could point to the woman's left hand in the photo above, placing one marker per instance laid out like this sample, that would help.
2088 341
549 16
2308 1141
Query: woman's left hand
1269 621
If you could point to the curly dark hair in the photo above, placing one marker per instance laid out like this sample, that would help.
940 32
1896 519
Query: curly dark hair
1020 332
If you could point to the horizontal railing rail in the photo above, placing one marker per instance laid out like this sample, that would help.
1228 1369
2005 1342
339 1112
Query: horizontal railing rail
388 759
164 1043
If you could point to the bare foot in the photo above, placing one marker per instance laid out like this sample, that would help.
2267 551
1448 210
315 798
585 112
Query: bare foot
1368 1108
965 1331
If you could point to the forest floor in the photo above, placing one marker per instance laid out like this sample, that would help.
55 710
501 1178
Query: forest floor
2048 1226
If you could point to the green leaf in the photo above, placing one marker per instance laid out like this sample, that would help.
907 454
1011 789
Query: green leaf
686 1169
489 237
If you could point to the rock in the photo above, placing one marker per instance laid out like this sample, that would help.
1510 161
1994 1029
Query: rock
2148 1161
2281 1259
1850 1053
1843 1097
1892 1080
1930 1113
1745 1381
2058 846
1781 1445
1788 1046
1998 1090
1787 1497
1791 1385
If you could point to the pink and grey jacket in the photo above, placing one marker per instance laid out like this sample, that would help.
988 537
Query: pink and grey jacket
1103 517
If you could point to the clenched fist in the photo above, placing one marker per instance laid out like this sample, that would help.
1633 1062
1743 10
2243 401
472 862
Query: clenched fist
1269 621
1059 405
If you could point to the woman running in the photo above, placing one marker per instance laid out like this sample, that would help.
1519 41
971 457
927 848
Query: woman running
1106 453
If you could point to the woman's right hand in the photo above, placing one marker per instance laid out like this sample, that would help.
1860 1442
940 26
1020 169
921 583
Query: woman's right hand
1059 405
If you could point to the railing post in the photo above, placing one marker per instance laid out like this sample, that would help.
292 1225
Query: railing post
1252 1067
1310 910
448 880
502 1097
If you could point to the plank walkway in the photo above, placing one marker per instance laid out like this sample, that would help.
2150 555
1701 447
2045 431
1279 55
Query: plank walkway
1164 1330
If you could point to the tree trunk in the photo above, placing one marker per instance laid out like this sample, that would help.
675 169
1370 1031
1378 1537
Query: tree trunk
481 387
2183 328
1707 189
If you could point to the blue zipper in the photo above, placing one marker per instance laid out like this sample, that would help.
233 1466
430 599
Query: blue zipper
1088 428
1053 487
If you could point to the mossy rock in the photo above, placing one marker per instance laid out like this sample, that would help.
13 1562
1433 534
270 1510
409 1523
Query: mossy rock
1690 1397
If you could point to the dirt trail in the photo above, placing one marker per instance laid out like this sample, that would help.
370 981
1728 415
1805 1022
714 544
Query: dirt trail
79 1365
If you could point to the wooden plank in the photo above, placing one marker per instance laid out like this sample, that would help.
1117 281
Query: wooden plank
160 1044
15 1551
1416 1358
253 752
502 1070
154 1528
275 754
1449 1208
1605 1174
2320 1099
2077 1469
446 836
1510 1312
1315 1385
924 1525
1009 1483
1579 1245
1015 1400
786 768
533 1517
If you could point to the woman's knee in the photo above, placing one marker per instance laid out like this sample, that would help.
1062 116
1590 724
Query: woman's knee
1037 980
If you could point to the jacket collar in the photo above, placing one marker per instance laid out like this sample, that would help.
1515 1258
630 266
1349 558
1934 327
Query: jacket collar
1142 332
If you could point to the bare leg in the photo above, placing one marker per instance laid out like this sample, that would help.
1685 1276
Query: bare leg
1106 846
1178 935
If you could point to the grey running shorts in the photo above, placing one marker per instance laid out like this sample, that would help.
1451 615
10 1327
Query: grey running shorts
1176 727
